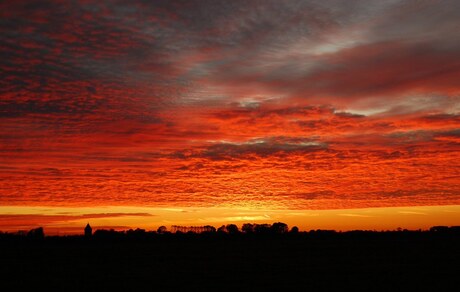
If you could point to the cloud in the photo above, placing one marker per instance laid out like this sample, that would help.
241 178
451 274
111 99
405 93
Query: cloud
21 221
267 104
412 213
354 215
262 147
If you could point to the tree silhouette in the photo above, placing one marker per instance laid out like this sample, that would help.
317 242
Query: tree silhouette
279 228
209 228
136 234
162 229
262 228
36 234
247 228
439 229
232 229
294 230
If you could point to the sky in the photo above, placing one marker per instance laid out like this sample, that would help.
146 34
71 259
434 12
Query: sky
321 114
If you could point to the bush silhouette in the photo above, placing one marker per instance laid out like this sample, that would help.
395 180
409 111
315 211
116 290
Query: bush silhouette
36 234
248 228
232 229
279 228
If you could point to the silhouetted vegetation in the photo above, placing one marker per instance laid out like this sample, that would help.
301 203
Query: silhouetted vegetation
258 257
162 229
36 234
248 230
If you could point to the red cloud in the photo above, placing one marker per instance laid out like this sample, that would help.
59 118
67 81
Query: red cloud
168 104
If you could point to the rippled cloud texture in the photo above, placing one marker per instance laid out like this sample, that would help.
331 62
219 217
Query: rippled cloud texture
244 104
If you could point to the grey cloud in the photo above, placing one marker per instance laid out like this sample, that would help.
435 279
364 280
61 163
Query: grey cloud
262 147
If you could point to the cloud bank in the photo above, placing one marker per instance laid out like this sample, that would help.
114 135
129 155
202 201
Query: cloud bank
291 104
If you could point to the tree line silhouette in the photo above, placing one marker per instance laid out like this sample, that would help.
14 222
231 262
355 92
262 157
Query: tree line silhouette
256 257
248 230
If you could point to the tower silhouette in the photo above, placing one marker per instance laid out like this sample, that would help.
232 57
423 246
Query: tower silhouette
88 231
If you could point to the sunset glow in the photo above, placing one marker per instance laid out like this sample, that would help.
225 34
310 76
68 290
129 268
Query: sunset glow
332 114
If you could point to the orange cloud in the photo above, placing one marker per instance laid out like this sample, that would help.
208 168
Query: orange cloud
293 106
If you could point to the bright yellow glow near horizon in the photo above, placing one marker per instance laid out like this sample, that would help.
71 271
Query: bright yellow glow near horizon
66 220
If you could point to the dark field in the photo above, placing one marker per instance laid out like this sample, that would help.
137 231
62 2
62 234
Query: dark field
411 262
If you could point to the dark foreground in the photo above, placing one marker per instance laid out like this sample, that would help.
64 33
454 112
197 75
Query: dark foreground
359 262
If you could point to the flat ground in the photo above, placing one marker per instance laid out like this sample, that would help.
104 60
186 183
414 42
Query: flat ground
232 264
